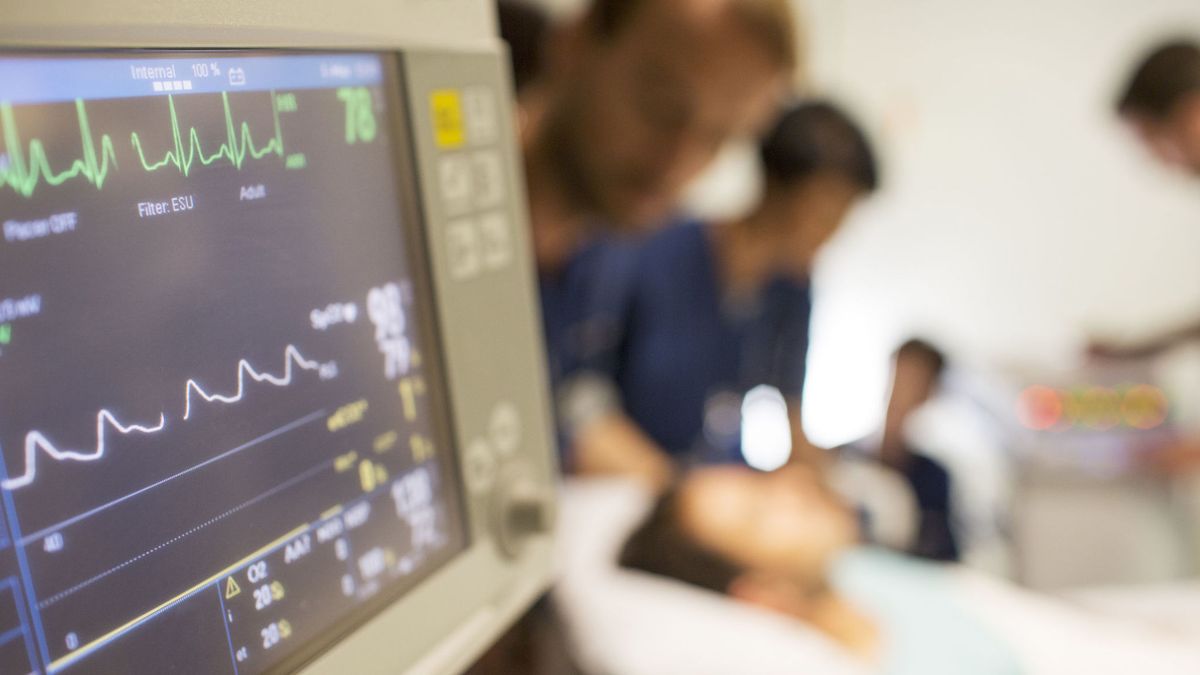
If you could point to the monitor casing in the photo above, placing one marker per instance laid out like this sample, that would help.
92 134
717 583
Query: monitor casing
487 314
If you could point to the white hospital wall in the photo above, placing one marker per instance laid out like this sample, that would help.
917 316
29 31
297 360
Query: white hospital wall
1017 216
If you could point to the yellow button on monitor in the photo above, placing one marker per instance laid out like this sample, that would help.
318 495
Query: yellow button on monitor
448 129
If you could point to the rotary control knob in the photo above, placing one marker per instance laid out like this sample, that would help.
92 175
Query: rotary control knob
523 508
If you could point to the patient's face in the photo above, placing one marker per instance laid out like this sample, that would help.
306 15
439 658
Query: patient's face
783 522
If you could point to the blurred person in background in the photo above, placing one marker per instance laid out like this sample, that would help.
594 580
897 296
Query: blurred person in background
711 311
635 100
917 369
527 30
640 95
1161 104
618 111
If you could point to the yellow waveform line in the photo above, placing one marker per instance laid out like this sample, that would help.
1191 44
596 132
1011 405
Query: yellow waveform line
92 646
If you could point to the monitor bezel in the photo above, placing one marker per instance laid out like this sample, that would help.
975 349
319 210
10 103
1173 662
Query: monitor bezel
475 565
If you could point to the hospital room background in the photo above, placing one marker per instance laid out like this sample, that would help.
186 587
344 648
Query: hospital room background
1016 222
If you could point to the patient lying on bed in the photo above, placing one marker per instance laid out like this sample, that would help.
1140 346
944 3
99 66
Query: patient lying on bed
794 591
771 540
766 539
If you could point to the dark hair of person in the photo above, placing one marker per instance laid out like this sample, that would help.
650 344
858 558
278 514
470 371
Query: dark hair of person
771 21
815 137
525 28
661 545
1162 79
916 347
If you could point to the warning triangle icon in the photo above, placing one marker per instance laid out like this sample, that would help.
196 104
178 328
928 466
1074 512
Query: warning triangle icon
231 589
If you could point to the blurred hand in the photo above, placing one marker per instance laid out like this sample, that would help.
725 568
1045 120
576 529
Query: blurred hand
807 454
613 444
1101 351
1177 458
846 624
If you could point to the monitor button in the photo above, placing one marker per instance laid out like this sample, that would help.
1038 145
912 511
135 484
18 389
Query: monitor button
505 428
482 115
480 466
495 240
454 183
462 245
487 178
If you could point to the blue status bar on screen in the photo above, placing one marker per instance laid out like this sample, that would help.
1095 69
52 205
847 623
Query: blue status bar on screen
26 80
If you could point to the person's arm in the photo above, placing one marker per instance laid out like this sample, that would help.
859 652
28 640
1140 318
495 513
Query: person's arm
794 371
1181 457
804 452
603 439
1146 348
842 621
614 445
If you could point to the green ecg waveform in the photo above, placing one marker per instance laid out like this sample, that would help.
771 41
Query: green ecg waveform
237 146
23 174
24 171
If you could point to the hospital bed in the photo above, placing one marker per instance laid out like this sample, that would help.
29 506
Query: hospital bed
623 622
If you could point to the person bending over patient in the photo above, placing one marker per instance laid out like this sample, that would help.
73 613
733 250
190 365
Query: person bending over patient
1161 104
766 539
632 101
712 311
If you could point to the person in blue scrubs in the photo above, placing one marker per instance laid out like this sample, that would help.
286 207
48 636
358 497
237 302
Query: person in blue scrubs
703 313
628 103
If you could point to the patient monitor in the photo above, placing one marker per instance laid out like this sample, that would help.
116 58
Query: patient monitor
272 395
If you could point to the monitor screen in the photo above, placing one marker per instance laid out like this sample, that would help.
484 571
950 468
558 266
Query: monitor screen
223 428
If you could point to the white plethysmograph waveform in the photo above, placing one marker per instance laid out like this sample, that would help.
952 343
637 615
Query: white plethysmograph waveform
290 355
35 440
